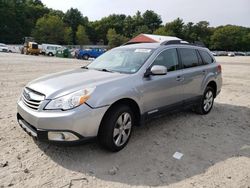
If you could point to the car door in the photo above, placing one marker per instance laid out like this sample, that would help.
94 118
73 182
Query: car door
193 73
160 91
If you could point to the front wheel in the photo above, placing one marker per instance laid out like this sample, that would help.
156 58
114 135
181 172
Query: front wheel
116 128
206 103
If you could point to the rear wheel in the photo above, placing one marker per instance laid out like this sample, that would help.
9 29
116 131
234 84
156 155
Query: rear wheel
206 102
85 57
116 128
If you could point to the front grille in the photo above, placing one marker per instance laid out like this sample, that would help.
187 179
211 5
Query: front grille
32 99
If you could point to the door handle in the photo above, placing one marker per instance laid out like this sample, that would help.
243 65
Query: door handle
204 71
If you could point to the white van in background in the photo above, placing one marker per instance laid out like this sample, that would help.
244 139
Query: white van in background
4 48
50 49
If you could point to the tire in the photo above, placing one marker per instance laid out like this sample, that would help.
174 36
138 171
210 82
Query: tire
116 128
50 54
85 57
206 103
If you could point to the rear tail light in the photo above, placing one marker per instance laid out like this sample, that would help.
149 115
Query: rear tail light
219 69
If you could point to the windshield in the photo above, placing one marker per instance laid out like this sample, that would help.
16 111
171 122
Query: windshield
124 60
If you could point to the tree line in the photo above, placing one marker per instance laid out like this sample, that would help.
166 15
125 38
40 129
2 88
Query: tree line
20 18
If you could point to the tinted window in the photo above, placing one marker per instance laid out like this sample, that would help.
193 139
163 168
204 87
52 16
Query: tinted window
207 59
189 57
169 59
199 58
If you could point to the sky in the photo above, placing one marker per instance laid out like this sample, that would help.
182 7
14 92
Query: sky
216 12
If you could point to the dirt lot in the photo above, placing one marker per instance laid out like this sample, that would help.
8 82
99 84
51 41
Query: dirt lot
216 147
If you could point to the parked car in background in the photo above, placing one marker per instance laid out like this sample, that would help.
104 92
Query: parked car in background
4 48
231 54
90 53
14 48
222 53
121 89
214 53
240 54
50 49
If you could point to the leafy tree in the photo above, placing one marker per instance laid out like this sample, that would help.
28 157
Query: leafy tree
175 28
115 39
151 20
142 29
138 19
129 27
203 32
189 32
18 18
67 37
115 21
58 13
246 41
81 36
92 32
49 29
197 32
230 38
35 2
73 18
161 31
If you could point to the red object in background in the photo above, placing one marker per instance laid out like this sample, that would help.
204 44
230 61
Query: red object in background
141 39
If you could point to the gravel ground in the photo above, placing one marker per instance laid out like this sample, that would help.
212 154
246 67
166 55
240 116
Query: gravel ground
216 147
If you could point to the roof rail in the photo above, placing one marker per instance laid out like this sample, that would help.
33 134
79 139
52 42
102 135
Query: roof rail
174 42
171 42
129 43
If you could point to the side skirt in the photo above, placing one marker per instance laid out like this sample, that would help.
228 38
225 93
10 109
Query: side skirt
155 113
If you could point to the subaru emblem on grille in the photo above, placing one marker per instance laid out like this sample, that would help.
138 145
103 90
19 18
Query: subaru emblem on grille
26 94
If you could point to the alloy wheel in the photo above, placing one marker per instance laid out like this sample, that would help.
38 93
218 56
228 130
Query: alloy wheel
208 101
122 129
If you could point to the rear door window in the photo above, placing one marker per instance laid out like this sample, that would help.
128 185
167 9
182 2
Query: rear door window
189 57
206 57
169 59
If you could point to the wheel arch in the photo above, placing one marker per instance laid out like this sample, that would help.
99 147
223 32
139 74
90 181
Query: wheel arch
213 85
125 101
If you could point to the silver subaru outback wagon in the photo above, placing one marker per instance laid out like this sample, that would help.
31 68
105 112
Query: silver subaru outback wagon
119 90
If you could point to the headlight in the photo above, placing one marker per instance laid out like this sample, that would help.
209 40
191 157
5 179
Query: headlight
71 100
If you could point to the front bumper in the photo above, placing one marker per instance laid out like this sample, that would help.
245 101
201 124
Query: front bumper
83 121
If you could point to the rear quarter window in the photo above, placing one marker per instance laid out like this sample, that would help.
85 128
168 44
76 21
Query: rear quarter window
189 57
206 57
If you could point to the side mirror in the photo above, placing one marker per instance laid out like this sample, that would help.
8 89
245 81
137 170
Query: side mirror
156 70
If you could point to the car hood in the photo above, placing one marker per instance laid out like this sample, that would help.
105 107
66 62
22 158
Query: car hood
62 83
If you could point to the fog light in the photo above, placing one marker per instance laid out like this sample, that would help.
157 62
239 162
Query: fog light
62 136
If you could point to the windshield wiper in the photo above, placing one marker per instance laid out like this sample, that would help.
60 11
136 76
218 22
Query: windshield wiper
84 67
104 70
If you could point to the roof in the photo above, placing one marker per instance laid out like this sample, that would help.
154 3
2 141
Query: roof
148 38
157 45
